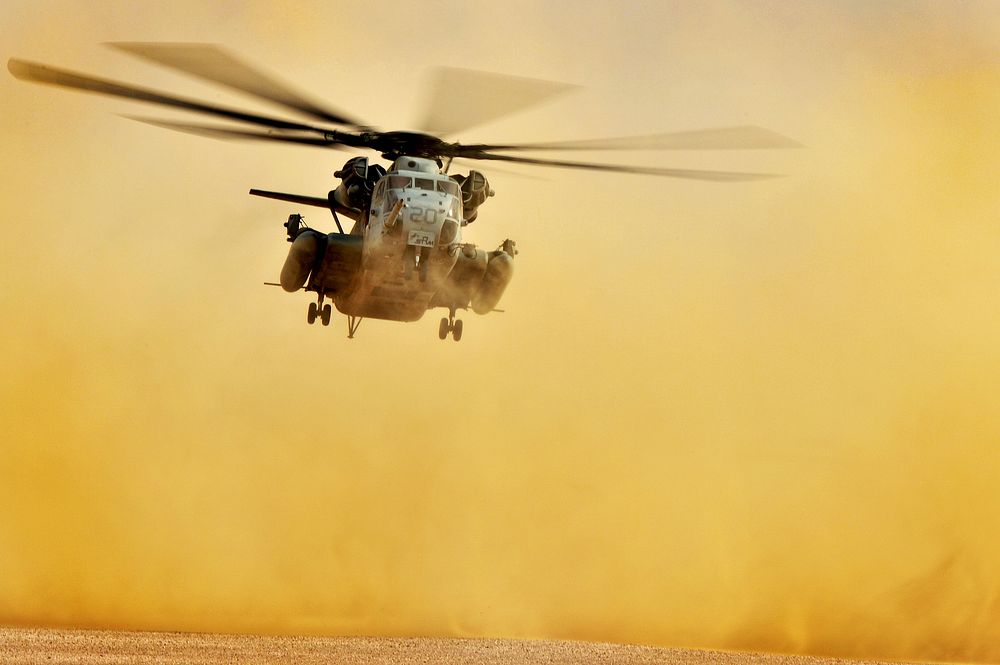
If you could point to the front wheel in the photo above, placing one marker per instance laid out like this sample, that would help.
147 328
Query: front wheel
443 328
327 315
313 312
456 330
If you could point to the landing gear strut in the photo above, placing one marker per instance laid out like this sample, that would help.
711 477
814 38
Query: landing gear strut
418 258
425 262
409 261
450 325
353 322
319 310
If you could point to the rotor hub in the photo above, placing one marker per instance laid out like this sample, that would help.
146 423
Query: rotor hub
393 145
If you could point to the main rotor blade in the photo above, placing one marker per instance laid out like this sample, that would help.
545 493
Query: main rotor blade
746 137
214 63
30 71
690 174
459 99
459 161
234 133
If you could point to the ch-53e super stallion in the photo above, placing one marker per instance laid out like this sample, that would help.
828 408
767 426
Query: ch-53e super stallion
404 253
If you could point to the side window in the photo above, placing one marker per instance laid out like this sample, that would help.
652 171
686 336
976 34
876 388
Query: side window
378 198
449 187
455 209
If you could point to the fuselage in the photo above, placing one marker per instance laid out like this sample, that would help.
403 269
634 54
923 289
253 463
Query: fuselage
412 237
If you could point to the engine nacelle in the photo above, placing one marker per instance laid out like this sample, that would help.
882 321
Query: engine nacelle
499 271
354 190
300 261
359 180
475 191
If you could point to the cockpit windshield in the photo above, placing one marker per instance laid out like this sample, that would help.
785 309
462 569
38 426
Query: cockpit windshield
449 187
400 182
394 183
430 184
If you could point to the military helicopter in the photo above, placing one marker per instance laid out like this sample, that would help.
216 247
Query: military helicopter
404 253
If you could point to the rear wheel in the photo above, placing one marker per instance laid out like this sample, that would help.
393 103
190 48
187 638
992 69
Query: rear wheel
313 312
443 328
456 330
327 315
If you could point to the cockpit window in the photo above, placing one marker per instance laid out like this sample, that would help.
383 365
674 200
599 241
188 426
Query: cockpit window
449 187
399 182
424 183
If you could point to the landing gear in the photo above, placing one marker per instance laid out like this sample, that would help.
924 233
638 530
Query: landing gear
318 310
451 325
409 262
416 258
425 263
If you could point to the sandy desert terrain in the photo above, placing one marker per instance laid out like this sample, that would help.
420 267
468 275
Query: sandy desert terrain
31 645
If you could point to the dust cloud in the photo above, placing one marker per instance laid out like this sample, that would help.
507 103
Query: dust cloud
741 416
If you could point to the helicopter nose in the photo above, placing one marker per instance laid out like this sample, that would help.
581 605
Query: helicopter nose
423 221
425 214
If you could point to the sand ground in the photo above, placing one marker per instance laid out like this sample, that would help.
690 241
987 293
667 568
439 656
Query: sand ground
85 647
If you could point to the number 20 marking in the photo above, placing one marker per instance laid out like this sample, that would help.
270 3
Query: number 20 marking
426 215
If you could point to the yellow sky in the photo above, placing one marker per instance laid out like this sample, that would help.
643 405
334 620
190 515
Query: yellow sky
745 416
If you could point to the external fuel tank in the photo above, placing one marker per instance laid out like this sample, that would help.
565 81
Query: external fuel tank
499 271
300 260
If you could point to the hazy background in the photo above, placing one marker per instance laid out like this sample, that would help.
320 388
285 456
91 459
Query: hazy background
755 415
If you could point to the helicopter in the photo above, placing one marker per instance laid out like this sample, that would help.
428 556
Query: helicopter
404 254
